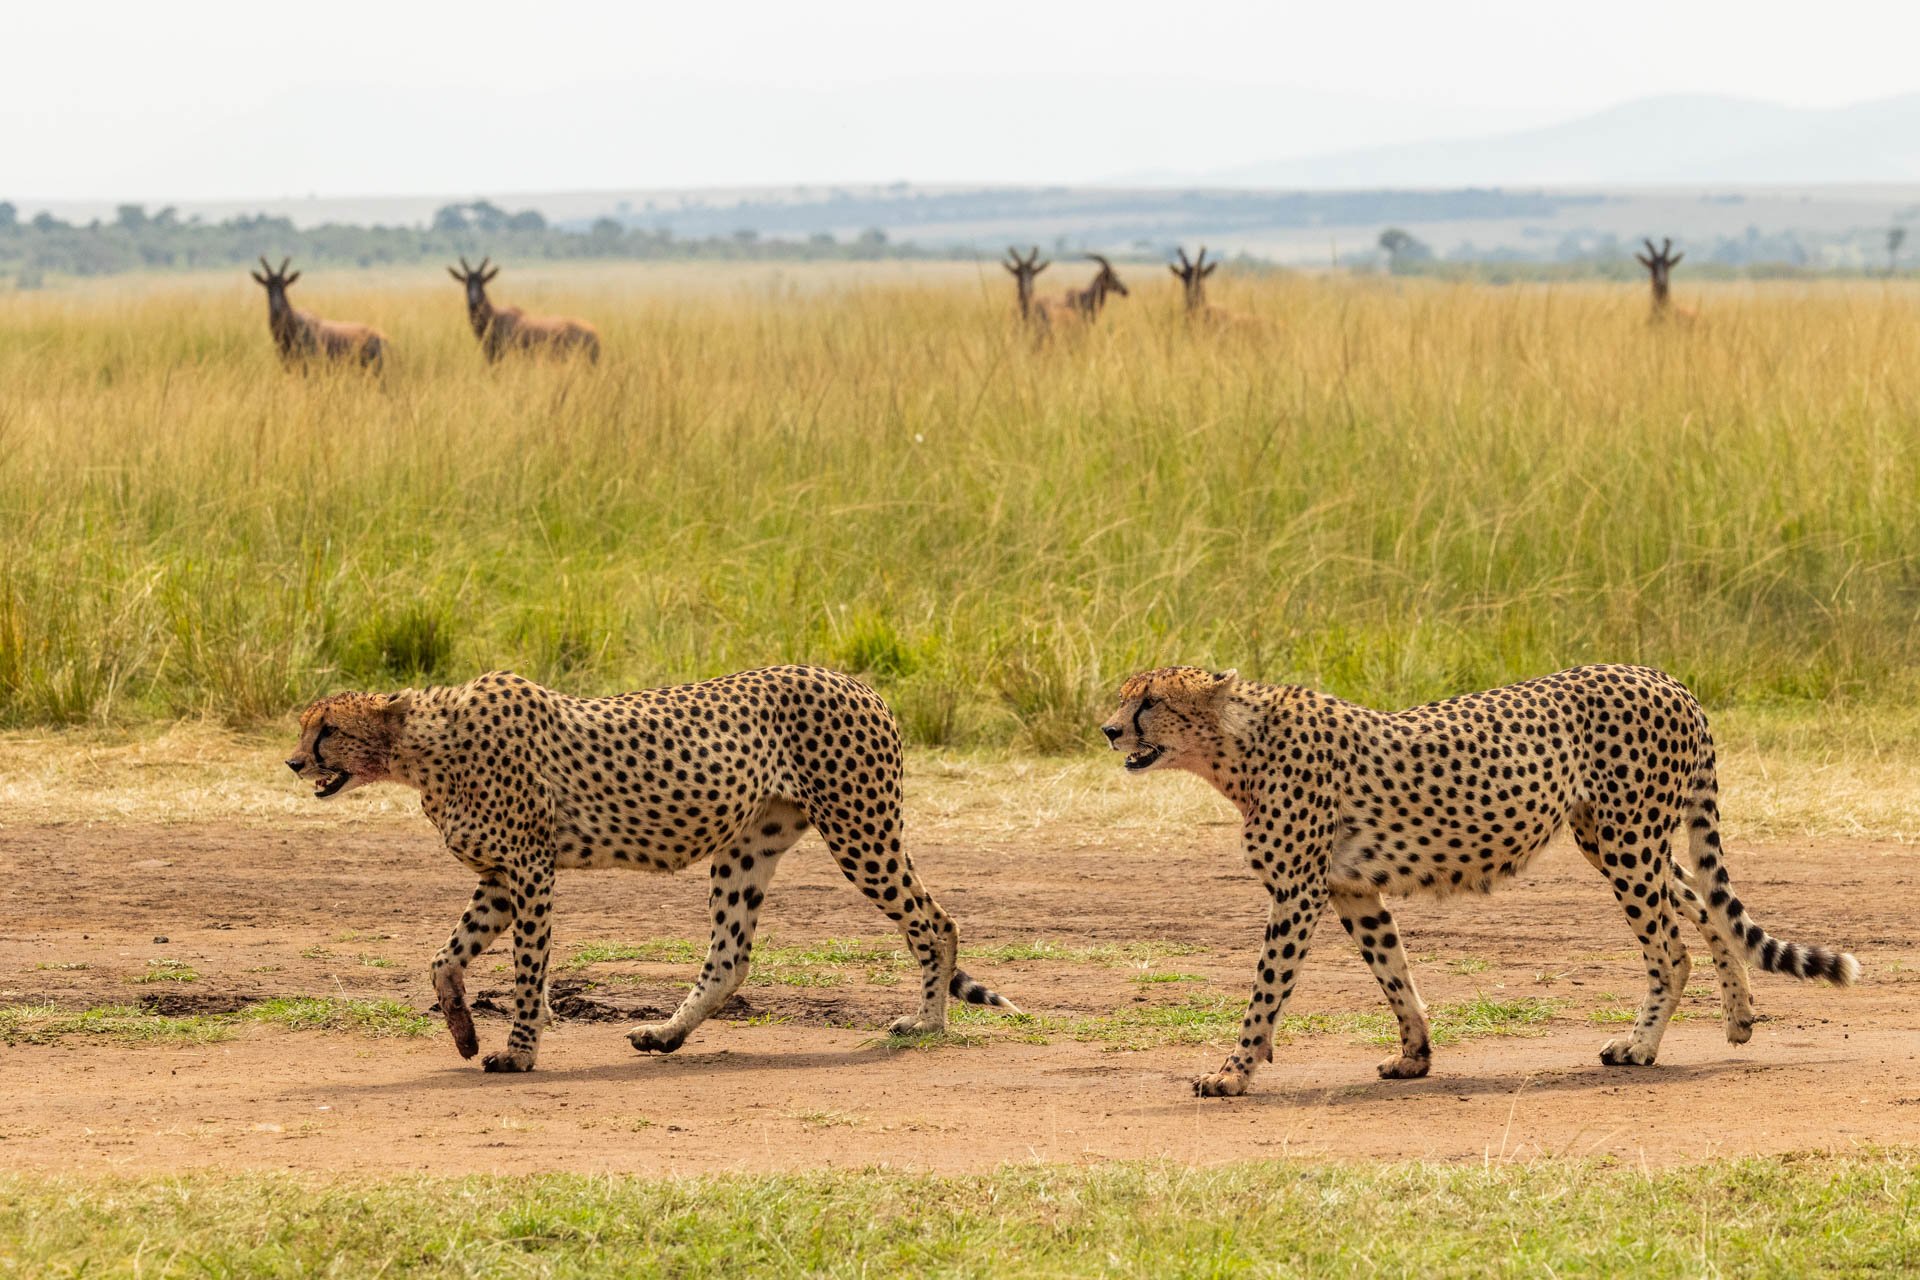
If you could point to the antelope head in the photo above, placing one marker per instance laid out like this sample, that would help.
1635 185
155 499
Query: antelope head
1193 276
1023 271
476 279
275 283
1106 281
1659 264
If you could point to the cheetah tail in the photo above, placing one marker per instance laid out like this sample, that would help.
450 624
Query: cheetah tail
972 991
1771 954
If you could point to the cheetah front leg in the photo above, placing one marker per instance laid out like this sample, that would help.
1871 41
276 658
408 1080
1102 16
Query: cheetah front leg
1296 908
530 887
485 919
1368 922
739 879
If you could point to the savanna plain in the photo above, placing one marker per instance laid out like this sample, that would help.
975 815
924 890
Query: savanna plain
218 1053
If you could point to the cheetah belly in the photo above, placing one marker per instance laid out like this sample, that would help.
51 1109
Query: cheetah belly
1451 859
599 839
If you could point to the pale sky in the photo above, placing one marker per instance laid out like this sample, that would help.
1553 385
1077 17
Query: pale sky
234 99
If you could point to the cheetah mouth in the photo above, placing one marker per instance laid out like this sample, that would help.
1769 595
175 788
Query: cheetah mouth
1143 759
330 784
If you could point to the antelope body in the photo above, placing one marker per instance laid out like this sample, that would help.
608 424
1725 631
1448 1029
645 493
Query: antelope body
1023 270
1660 264
504 329
1079 306
301 335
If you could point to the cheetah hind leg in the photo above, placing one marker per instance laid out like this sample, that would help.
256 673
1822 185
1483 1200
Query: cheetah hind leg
1654 928
1736 999
870 856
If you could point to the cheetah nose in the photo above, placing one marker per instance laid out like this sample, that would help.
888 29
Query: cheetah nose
1112 732
294 765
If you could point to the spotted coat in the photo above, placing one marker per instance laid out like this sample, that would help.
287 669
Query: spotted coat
521 781
1343 804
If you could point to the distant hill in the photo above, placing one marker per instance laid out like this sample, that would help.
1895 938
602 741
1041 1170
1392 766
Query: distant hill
1686 140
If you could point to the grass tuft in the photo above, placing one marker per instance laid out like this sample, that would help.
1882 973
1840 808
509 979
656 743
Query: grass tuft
127 1024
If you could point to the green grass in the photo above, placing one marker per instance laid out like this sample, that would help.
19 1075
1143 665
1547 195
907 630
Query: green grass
1113 954
1618 1009
653 951
120 1024
1785 1217
131 1025
1215 1020
167 971
1410 488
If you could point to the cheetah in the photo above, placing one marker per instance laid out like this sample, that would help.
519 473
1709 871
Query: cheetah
1342 804
521 780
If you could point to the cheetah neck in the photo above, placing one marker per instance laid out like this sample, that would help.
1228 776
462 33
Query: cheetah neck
417 743
1251 716
1221 762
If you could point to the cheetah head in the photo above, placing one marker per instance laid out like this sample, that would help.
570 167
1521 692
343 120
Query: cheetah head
346 741
1169 717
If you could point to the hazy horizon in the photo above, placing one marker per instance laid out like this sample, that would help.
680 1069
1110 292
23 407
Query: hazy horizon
224 102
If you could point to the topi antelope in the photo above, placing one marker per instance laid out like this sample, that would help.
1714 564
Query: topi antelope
1080 306
1023 271
1193 281
301 334
504 329
1660 264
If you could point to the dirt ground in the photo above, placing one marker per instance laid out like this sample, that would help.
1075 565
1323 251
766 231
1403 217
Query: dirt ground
797 1076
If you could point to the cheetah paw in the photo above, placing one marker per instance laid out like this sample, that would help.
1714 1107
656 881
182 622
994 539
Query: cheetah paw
1402 1067
1624 1053
1739 1030
1221 1084
914 1025
510 1060
653 1037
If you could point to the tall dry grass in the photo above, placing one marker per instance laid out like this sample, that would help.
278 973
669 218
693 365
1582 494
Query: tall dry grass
1396 491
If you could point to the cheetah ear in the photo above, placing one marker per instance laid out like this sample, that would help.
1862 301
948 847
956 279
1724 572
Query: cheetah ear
397 705
1223 682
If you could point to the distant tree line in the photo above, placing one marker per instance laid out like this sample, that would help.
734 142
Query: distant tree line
136 240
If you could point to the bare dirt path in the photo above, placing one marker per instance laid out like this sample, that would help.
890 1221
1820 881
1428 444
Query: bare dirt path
796 1076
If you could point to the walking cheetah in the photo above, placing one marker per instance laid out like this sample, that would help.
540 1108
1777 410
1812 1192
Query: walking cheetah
521 780
1343 803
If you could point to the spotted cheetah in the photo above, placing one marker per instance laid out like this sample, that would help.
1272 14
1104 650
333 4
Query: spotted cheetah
521 780
1342 804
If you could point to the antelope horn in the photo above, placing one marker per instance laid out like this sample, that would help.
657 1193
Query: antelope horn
1102 261
1201 261
1183 257
265 265
469 270
1650 249
484 262
1666 246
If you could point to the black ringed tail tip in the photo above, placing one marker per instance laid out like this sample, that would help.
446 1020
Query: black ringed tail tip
965 988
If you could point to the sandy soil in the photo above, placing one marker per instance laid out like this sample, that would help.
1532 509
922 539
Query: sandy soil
796 1076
